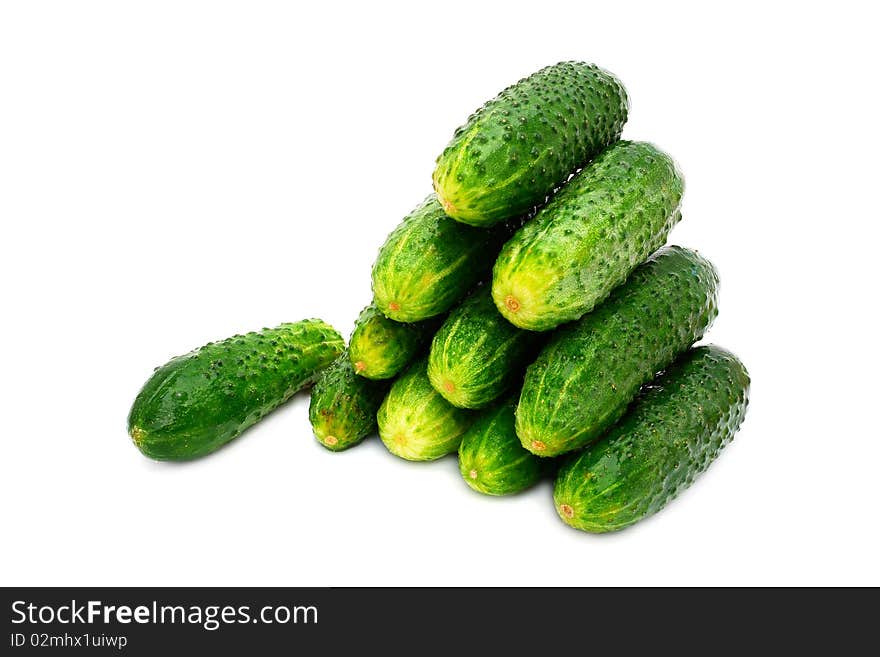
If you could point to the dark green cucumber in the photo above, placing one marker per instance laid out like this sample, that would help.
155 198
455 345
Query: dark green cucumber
490 456
415 422
584 378
380 347
589 237
429 262
343 405
518 147
200 401
477 355
670 434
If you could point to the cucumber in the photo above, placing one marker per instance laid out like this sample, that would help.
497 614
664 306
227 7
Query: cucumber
415 422
200 401
589 237
518 147
671 434
343 406
491 459
584 378
380 347
429 262
477 355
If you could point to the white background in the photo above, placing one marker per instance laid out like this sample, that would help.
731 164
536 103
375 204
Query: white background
176 172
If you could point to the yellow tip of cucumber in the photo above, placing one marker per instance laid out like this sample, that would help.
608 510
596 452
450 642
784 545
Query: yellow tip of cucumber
137 435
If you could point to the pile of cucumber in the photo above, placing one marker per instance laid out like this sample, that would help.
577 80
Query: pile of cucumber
525 315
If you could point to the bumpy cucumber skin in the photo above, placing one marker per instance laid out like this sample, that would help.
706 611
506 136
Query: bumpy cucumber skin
671 434
477 355
343 405
518 147
582 381
599 227
381 348
491 459
415 422
200 401
429 262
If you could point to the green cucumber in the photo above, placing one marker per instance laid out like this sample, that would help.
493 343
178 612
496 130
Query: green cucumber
589 237
200 401
669 436
429 262
477 355
415 422
521 145
343 406
490 456
584 378
380 347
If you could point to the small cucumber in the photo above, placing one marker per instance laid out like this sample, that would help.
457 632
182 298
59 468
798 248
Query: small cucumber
477 355
599 227
343 406
415 422
198 402
381 348
490 456
430 261
671 434
589 372
518 147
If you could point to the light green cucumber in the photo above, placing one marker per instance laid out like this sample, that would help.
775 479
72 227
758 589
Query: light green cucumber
477 355
380 348
605 222
492 460
415 422
521 145
430 261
